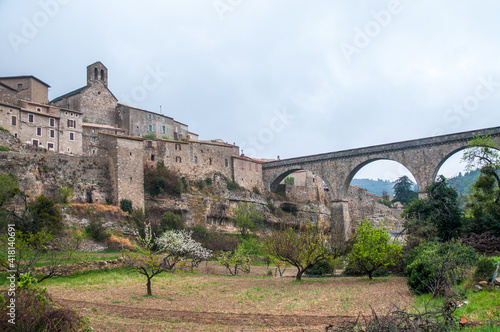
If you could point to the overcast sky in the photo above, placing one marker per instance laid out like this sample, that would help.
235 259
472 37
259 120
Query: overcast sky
278 77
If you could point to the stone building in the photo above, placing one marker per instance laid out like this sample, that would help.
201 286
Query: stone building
90 134
29 88
247 171
306 187
95 101
44 126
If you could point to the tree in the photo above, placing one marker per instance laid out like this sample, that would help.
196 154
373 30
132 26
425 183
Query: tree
235 261
302 248
403 191
57 254
171 220
484 203
179 245
440 209
372 249
146 260
247 218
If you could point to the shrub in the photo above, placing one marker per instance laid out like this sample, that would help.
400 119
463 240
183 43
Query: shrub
386 202
126 205
171 220
208 181
36 311
232 185
44 215
4 148
96 231
256 190
485 267
436 267
149 136
200 184
162 180
4 129
200 234
65 194
119 243
321 268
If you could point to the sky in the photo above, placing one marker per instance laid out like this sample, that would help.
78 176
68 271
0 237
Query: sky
281 78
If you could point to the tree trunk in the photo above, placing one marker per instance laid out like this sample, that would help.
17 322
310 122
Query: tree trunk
370 275
149 286
298 277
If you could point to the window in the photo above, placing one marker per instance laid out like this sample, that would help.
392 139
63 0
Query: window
38 131
163 130
71 136
102 75
14 121
150 144
226 162
178 159
95 73
178 147
195 159
163 119
38 109
19 86
31 118
50 146
71 124
241 165
93 130
210 161
52 122
52 133
35 142
152 157
93 139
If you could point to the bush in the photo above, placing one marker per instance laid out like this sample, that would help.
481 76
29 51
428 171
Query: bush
4 129
232 185
171 220
321 268
36 311
436 267
485 267
126 205
149 136
200 184
162 181
256 190
4 148
200 234
386 202
44 214
65 194
208 181
96 231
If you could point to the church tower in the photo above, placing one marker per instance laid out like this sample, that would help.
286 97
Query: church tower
97 72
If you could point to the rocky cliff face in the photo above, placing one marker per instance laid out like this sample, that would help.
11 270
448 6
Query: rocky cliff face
364 205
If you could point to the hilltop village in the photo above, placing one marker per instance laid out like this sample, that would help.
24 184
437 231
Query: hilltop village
86 139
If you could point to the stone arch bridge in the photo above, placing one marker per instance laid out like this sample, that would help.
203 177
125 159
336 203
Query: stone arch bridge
422 157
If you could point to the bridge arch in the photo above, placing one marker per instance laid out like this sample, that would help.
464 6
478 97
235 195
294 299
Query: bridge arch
355 170
279 178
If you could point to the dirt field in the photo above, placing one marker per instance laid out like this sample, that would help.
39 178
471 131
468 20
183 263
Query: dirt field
115 301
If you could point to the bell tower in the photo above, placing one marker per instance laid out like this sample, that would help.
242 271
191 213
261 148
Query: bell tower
97 72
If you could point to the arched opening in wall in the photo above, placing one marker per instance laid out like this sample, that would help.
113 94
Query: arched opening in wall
378 191
301 186
461 174
95 73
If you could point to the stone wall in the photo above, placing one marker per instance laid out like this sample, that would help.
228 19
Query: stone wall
247 172
8 95
44 173
32 89
124 156
98 104
139 122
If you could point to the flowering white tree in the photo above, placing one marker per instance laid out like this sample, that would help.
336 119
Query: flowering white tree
178 245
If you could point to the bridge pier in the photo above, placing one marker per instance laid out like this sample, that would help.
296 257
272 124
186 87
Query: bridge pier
340 219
